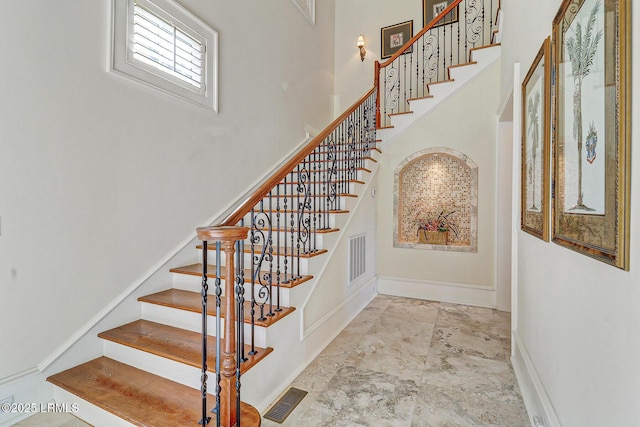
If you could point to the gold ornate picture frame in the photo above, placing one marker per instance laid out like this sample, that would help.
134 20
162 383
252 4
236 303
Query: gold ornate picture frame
592 123
536 159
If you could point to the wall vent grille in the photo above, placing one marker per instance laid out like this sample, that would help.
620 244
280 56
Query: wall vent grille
357 257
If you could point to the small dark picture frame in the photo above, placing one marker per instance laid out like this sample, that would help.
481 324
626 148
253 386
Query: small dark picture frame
393 37
432 8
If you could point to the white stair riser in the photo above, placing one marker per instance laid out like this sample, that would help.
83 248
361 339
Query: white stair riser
304 264
190 283
192 321
303 267
462 73
318 239
175 371
485 56
317 219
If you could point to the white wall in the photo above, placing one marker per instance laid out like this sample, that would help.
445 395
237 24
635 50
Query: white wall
577 318
333 291
101 177
354 17
466 122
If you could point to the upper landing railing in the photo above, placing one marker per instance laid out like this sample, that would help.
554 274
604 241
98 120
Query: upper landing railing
425 59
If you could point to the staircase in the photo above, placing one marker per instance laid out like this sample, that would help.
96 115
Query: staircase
152 371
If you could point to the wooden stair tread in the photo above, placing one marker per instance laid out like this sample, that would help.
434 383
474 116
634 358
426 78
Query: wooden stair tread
343 159
276 251
289 211
190 301
294 183
142 398
400 113
464 64
311 230
173 343
419 98
486 46
288 252
302 196
196 270
440 82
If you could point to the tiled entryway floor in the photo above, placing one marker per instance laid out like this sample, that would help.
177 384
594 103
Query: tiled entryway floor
412 363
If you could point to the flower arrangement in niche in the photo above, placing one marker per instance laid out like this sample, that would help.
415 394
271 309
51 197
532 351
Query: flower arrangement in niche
432 222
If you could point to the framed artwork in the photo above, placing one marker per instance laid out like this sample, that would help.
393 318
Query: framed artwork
393 37
433 8
536 131
592 123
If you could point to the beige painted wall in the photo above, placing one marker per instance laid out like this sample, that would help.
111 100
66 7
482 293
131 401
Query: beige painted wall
353 17
332 290
101 177
465 122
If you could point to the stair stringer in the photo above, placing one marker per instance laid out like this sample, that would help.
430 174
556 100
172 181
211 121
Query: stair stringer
461 76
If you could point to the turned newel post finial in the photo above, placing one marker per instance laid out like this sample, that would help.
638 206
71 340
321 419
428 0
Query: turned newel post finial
228 236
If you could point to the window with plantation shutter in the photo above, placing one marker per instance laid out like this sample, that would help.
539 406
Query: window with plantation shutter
159 43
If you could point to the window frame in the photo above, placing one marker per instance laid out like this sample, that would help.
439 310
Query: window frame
123 63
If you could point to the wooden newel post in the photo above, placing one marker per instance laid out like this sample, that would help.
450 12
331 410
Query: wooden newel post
228 236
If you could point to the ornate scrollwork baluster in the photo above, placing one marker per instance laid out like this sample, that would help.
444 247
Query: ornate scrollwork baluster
304 210
261 230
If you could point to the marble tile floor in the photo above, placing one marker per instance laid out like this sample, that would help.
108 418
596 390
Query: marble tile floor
412 363
404 363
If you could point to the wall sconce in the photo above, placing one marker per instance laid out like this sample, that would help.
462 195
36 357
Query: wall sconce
360 45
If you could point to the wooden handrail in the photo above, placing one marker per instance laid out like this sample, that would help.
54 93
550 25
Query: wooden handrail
263 190
427 27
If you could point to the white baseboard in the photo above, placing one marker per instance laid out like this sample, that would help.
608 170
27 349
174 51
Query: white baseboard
535 397
480 296
364 295
26 388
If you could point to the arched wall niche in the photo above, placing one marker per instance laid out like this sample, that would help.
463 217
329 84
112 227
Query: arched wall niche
430 181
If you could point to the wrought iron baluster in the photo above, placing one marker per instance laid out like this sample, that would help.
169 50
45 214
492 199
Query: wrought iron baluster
458 31
284 226
261 223
253 239
240 310
403 83
328 180
292 224
304 209
423 61
383 79
482 20
269 244
218 292
203 296
315 199
239 279
278 249
444 56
